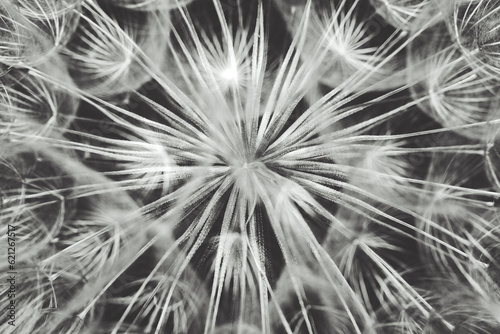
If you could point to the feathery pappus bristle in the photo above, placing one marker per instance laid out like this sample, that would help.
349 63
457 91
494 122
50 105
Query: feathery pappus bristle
249 167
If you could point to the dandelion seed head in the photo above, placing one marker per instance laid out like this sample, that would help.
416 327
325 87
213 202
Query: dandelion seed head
237 193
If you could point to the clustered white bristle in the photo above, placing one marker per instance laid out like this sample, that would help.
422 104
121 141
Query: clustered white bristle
262 166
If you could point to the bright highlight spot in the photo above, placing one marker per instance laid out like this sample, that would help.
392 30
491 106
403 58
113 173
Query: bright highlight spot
230 73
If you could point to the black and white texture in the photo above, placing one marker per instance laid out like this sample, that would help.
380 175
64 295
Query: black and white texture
250 166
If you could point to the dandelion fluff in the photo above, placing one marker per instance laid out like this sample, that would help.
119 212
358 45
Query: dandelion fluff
400 13
46 9
237 328
108 51
38 295
36 202
309 305
33 108
223 204
351 40
458 214
457 94
20 42
55 19
492 156
149 5
475 25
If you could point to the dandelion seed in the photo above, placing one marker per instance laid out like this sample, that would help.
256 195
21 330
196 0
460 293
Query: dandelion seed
475 25
141 163
32 108
353 59
46 9
20 42
91 240
457 211
56 20
381 168
470 313
457 94
309 306
147 306
37 297
211 67
36 190
400 13
405 319
106 51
